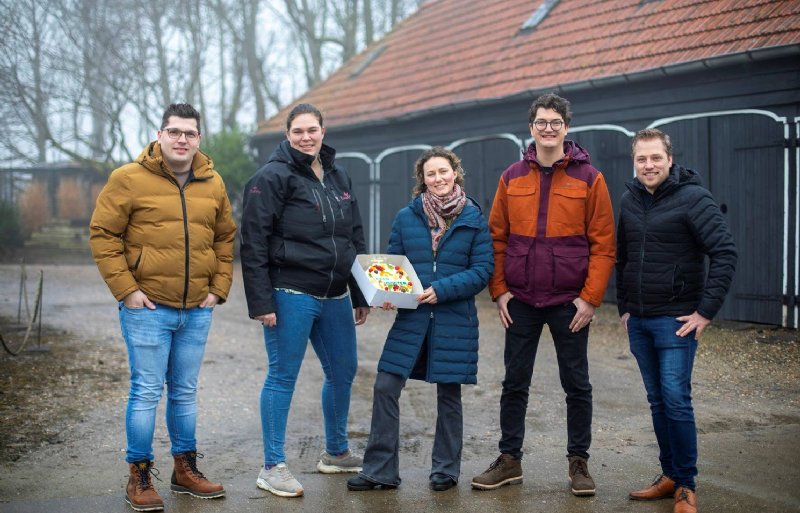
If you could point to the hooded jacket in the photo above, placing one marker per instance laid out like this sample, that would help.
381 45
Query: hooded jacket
173 243
553 233
662 245
298 232
460 269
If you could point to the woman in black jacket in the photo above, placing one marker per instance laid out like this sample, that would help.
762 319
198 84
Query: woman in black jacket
301 231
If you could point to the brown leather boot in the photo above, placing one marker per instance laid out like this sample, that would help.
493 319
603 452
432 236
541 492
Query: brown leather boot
187 479
662 488
685 501
140 493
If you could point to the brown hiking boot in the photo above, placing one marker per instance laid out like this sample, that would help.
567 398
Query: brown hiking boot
685 501
505 470
140 493
187 479
582 483
662 488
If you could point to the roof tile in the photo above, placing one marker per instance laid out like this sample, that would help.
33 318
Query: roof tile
447 53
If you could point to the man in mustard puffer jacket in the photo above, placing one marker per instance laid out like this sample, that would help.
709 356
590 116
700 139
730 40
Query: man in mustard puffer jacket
162 236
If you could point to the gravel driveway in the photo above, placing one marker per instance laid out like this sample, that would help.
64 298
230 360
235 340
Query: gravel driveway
62 434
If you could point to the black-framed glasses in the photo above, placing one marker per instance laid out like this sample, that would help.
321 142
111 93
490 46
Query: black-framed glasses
541 124
175 134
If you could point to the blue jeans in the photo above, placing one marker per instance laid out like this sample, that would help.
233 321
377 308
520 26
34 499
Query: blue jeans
329 324
165 345
665 361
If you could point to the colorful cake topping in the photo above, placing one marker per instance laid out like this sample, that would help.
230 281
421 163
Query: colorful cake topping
389 277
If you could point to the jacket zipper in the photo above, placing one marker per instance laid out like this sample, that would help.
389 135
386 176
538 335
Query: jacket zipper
641 257
319 202
333 242
185 247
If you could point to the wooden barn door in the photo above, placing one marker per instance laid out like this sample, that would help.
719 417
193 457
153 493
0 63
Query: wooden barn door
359 167
741 158
610 150
484 159
394 169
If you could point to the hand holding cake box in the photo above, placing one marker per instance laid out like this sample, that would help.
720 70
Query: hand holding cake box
387 279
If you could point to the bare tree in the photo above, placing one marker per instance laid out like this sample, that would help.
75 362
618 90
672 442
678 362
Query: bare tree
30 35
76 75
347 25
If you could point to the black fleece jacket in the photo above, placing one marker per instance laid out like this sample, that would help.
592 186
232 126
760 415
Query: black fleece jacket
662 245
297 232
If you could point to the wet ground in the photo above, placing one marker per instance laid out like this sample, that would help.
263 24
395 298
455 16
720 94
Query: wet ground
62 436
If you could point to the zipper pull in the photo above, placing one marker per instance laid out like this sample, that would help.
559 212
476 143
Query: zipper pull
431 314
434 266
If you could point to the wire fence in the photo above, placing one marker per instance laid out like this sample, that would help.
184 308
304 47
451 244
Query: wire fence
12 341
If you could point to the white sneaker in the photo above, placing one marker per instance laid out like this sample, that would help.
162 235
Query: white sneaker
347 462
280 481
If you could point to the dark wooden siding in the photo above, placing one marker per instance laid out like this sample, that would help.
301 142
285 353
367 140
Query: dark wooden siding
740 158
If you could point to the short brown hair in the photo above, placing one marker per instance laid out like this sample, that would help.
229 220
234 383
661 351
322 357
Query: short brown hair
436 151
180 110
647 134
551 101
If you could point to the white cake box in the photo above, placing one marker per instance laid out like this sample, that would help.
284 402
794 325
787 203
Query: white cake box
376 296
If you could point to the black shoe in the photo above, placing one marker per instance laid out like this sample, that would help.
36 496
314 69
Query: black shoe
362 484
441 482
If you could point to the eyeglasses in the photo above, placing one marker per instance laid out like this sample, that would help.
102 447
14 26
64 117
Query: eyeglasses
541 124
175 134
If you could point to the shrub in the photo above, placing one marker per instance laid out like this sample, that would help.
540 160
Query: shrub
10 228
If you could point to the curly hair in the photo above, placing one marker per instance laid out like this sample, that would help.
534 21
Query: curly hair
436 151
554 102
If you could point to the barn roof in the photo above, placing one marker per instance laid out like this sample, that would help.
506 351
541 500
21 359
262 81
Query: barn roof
453 52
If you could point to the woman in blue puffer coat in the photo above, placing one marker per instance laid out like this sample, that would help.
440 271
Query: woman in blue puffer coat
444 235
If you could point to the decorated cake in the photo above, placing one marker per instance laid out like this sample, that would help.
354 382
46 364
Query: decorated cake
389 277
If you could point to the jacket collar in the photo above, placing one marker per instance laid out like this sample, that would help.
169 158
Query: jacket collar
300 161
573 153
678 177
468 217
151 159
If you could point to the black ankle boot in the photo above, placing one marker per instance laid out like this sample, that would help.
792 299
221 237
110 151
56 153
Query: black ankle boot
362 484
441 482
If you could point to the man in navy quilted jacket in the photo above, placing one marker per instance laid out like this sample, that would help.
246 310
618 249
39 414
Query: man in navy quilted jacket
668 224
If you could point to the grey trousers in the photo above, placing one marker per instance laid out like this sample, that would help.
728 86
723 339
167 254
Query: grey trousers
382 458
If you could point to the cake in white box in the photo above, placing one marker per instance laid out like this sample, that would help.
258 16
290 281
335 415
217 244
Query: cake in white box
383 278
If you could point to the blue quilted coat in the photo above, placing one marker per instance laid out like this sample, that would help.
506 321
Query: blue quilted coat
461 269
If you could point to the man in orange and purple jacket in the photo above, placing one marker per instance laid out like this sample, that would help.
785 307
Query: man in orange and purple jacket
553 231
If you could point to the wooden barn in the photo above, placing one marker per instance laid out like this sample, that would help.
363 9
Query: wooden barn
722 77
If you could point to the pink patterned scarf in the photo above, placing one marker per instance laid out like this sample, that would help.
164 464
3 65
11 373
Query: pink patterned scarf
440 209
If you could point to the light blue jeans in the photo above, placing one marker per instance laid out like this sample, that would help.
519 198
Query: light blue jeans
666 361
330 326
165 345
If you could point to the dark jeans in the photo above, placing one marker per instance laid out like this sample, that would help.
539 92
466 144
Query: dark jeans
522 341
665 361
382 458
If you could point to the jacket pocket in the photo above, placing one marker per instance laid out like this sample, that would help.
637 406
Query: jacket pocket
522 202
516 265
570 267
678 282
134 256
567 211
277 254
